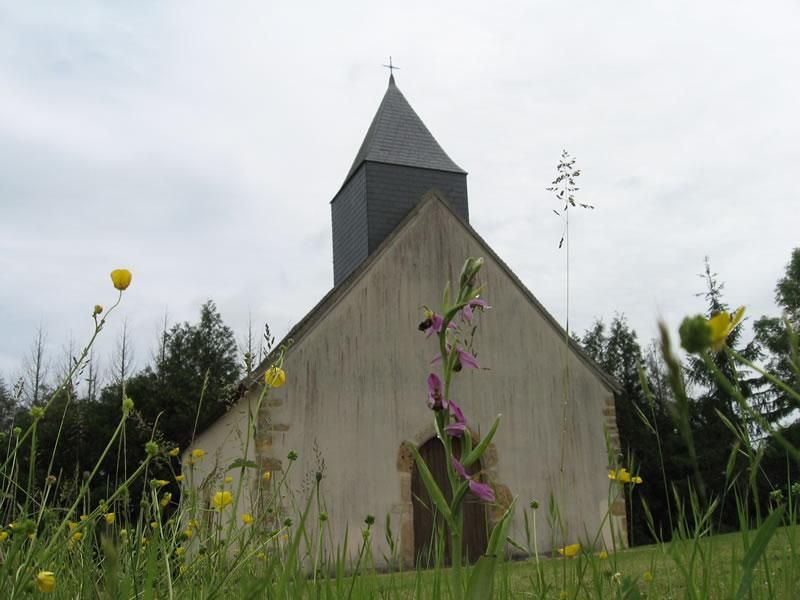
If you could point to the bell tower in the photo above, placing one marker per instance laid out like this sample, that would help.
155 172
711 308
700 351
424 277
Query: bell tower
398 162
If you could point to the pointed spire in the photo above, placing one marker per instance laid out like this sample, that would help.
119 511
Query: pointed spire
398 136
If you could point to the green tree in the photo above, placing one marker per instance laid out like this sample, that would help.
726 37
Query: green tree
643 425
775 404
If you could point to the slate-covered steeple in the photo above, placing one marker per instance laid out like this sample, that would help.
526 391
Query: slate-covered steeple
398 162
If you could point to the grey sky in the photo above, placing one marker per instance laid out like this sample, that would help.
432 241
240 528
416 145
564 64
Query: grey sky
200 144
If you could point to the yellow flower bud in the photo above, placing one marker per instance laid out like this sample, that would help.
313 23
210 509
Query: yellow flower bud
97 310
174 452
275 377
198 453
178 478
46 581
228 479
247 519
121 278
266 476
110 518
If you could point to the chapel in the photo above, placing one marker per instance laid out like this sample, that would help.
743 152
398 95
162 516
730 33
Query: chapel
354 402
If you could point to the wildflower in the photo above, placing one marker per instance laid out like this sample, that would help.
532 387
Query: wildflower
275 377
228 479
51 480
174 452
123 533
464 359
189 532
266 476
72 525
121 278
695 334
292 456
433 323
466 312
45 581
194 524
481 490
435 395
97 310
76 537
151 448
247 519
37 412
153 525
620 475
198 453
570 551
602 555
459 425
222 499
127 404
110 518
83 518
166 499
722 325
158 483
636 480
178 478
180 550
647 576
3 536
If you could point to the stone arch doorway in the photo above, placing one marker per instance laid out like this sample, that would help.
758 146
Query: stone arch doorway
424 513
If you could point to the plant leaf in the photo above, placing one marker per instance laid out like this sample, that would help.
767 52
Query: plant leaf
756 550
478 450
433 489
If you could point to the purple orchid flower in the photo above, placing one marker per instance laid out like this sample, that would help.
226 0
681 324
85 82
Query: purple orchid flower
465 359
459 426
481 490
467 312
435 393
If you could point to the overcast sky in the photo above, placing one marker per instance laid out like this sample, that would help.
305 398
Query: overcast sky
199 145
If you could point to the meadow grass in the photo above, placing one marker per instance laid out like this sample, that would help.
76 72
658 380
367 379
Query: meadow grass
178 544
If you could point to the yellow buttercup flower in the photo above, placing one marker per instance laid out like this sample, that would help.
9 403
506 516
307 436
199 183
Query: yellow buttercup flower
570 551
602 555
83 518
247 519
637 480
275 377
228 479
622 475
153 525
46 581
110 518
198 453
222 499
721 325
76 537
266 476
174 452
166 499
180 550
647 576
189 533
72 525
121 278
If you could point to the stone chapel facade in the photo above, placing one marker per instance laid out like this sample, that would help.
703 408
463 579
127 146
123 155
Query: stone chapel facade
356 370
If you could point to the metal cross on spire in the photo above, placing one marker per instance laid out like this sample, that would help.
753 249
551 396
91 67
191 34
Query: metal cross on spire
391 67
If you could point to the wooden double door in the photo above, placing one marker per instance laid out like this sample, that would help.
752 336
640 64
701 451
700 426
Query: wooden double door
426 519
